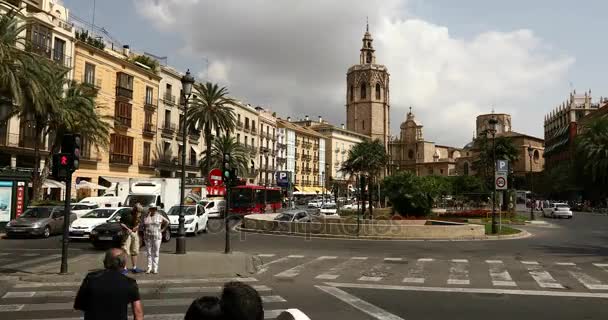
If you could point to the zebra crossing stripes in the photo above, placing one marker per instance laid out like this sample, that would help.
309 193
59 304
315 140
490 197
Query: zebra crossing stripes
295 271
20 264
459 274
264 267
542 277
335 271
585 279
416 274
499 274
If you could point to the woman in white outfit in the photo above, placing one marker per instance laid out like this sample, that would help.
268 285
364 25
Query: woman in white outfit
154 227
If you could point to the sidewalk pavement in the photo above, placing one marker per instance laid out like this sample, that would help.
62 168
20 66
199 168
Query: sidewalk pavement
171 265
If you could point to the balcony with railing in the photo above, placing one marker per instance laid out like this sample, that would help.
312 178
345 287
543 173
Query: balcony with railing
41 50
93 82
306 145
297 143
315 146
264 149
168 129
254 131
296 169
306 157
122 114
121 159
315 159
124 92
315 169
146 163
62 59
168 98
281 160
247 129
307 170
297 156
149 129
239 125
343 151
151 103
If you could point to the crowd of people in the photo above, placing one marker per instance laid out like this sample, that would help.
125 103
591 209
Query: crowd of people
106 294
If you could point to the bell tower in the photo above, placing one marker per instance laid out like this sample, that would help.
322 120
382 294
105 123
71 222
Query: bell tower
367 94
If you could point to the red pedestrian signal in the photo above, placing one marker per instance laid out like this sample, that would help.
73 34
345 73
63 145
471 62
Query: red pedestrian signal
64 160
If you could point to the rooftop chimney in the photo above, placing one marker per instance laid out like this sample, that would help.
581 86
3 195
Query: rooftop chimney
306 117
342 125
126 50
320 119
288 119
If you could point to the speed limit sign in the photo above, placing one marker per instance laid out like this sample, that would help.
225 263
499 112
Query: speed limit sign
500 181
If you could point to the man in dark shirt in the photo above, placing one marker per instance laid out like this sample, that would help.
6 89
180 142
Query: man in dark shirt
130 223
105 294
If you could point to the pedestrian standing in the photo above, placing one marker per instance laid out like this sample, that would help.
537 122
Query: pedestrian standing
154 227
105 294
130 224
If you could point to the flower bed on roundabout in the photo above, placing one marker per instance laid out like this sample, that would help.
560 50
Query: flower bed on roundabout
372 229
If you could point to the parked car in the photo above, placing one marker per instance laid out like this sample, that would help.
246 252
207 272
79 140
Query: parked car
294 216
353 206
81 228
214 207
329 209
557 210
111 234
38 221
196 219
82 208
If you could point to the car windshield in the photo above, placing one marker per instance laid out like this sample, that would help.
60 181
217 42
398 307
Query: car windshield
329 206
145 200
36 213
284 217
100 213
561 205
189 210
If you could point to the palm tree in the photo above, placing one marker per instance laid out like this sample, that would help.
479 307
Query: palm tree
239 154
592 146
211 109
368 158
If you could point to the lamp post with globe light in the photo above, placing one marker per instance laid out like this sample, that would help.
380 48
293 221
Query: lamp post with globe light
531 154
492 130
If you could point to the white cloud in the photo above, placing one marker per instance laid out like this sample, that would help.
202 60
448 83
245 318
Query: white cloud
292 56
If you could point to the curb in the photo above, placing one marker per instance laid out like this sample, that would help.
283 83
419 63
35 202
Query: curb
522 234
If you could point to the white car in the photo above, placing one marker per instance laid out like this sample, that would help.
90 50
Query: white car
329 209
557 210
314 204
82 208
353 206
195 215
81 228
214 207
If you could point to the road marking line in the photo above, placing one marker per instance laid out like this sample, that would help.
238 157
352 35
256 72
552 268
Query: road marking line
11 307
415 275
295 271
542 277
586 280
459 275
4 253
268 314
30 254
264 267
370 309
601 265
139 282
499 274
20 294
365 278
266 255
31 261
471 290
295 256
565 263
334 272
393 259
273 299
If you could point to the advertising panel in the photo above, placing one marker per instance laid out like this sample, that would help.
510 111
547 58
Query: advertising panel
6 196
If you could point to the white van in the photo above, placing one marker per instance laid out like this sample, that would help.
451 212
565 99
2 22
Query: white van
214 207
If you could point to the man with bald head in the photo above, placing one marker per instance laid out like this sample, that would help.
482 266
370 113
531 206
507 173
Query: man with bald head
106 294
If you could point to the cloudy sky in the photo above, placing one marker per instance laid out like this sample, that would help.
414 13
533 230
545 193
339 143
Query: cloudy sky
449 60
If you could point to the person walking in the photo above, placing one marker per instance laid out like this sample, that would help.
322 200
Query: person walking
154 227
105 294
130 224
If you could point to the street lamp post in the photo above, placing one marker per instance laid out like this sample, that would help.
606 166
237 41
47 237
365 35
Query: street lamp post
492 122
531 154
180 243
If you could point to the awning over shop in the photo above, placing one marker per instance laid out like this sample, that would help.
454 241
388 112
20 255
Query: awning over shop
89 185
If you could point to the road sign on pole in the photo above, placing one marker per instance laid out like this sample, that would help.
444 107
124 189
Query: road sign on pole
500 181
502 165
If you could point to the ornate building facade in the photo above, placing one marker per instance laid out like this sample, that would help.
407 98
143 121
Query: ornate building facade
367 95
410 152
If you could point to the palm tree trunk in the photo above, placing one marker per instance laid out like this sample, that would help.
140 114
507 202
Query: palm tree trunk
369 196
208 143
36 177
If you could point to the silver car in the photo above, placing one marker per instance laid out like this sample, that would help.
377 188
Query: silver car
38 221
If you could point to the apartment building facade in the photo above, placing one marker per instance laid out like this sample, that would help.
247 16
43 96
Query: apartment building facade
267 134
339 142
169 147
247 133
49 35
129 93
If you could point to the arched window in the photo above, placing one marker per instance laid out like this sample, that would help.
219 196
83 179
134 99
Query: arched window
369 57
536 156
466 169
410 154
377 91
363 91
352 93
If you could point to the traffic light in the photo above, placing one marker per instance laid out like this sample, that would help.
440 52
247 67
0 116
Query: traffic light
61 166
71 145
226 170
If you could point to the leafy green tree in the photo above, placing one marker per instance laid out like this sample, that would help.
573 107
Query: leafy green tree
368 158
504 149
147 61
462 185
408 194
211 109
239 154
592 147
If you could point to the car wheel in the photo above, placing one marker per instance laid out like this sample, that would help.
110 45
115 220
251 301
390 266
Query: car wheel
47 232
167 235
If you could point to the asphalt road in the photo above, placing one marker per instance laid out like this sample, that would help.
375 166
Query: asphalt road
561 272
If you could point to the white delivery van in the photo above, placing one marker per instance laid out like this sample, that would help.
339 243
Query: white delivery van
214 207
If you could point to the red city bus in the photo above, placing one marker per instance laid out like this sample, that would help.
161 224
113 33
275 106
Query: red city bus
255 199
